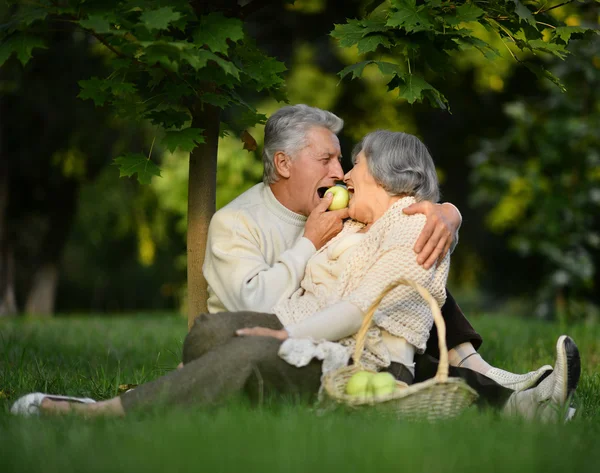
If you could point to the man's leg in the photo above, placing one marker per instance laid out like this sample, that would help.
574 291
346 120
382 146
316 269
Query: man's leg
244 364
212 330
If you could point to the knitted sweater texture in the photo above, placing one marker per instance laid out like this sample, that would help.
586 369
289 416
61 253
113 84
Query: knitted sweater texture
383 256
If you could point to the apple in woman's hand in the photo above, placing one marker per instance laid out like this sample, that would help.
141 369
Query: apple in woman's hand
340 197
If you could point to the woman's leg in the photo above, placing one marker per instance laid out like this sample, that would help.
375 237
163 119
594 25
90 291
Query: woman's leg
211 330
463 342
458 329
112 407
490 392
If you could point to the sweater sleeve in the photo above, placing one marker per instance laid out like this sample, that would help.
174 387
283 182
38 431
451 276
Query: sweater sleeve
333 323
403 312
239 275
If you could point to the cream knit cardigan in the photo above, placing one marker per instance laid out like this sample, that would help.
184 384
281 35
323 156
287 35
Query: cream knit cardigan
384 255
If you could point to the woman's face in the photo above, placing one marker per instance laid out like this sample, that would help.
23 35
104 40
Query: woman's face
364 191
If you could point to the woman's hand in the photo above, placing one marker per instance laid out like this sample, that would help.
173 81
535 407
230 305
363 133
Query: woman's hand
262 332
443 221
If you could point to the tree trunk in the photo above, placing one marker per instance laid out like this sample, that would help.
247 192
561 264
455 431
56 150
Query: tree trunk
60 215
8 301
41 297
202 191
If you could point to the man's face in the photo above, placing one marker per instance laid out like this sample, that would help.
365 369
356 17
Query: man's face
315 168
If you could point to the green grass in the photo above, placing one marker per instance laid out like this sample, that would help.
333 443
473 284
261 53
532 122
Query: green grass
92 356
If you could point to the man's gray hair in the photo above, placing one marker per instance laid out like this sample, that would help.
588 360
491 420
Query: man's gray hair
400 163
286 131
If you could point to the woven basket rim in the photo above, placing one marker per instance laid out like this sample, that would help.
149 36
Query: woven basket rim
440 379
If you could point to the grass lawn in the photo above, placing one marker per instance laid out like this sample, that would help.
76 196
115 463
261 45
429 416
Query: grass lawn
92 356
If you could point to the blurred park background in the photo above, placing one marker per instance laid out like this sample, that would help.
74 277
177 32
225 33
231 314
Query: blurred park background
516 155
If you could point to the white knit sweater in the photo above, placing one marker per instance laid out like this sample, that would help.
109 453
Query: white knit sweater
256 253
383 255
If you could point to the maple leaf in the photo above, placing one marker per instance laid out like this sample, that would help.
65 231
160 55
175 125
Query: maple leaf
388 67
96 23
169 118
372 42
542 73
249 141
348 34
413 87
159 19
565 32
95 89
468 12
265 70
524 13
216 30
139 164
21 45
355 69
410 17
186 140
555 49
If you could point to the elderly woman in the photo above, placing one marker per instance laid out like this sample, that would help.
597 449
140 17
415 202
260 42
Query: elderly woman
285 352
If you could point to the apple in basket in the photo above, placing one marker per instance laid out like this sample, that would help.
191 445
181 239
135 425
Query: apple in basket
358 384
382 384
365 383
341 197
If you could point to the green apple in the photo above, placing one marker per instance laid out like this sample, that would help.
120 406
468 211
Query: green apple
340 197
358 384
382 384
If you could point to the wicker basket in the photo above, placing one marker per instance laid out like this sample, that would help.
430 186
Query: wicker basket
437 398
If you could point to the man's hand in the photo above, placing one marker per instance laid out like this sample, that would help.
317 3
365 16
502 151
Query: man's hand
262 332
322 225
443 221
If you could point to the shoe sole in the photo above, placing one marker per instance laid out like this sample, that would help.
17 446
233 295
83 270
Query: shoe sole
573 365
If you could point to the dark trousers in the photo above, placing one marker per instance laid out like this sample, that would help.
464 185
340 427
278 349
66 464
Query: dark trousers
458 329
218 364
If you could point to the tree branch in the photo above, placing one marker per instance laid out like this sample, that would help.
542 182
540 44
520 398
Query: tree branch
552 8
252 7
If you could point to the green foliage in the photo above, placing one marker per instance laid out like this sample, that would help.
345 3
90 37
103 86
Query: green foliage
420 38
185 139
21 45
540 184
139 164
167 62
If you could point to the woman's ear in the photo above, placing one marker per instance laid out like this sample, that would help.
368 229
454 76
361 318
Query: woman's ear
282 164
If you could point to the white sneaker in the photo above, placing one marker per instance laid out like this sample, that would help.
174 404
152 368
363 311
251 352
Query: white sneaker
551 397
29 405
517 382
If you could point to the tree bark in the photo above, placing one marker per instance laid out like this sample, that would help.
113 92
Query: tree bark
202 191
41 296
8 301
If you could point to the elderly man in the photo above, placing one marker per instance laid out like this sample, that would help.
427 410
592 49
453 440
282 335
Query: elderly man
259 244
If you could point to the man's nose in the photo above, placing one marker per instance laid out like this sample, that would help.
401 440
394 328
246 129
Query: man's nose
337 172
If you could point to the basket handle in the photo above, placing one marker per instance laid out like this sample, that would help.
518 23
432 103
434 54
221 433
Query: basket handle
442 371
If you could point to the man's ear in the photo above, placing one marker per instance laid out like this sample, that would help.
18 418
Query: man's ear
282 164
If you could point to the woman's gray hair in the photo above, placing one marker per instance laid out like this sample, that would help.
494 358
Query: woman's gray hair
286 131
400 163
